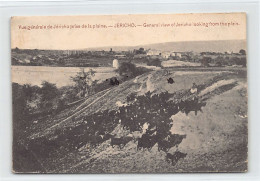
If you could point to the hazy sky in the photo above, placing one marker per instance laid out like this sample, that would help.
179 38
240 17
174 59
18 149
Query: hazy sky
80 38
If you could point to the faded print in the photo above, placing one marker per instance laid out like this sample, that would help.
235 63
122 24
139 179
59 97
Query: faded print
129 93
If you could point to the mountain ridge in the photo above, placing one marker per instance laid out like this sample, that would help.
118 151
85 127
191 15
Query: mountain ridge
185 46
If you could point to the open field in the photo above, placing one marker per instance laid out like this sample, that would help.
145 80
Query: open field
61 76
211 126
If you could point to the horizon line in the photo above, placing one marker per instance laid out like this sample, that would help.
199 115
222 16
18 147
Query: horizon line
128 45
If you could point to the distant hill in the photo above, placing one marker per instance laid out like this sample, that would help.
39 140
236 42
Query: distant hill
195 46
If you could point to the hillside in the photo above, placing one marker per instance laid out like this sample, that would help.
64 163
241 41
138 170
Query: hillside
195 46
212 130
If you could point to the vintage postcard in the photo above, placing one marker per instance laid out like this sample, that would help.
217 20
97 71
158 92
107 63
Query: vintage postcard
155 93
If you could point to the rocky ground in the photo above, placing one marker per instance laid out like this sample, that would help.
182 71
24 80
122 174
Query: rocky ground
215 132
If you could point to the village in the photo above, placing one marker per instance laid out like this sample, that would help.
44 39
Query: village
141 56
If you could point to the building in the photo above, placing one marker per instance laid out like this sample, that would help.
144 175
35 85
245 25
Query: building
153 52
166 55
177 54
115 63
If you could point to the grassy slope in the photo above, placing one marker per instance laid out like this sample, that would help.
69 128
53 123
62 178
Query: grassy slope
214 140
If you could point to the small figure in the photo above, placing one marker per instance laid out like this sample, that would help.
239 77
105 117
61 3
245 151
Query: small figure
116 81
170 80
112 82
194 89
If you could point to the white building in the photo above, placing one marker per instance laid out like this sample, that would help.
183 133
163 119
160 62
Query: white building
115 63
166 55
176 54
154 52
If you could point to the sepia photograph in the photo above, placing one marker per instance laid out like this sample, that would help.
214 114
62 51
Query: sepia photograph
150 93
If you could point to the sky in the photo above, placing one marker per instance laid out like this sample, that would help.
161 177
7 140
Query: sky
123 30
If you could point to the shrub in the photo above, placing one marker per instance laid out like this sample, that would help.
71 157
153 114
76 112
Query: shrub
242 52
130 70
205 61
83 82
155 62
241 61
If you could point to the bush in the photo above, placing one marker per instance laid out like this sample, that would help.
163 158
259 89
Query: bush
155 62
205 61
241 61
48 91
242 52
130 70
83 82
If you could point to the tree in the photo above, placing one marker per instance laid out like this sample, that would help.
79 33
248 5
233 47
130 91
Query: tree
129 70
48 91
219 61
20 110
49 97
243 61
205 61
242 52
155 62
84 82
139 51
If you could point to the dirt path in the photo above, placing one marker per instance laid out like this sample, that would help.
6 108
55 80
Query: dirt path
75 112
85 105
81 110
85 102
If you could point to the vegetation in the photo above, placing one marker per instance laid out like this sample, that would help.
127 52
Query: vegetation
205 61
242 52
84 82
155 62
104 58
140 51
44 153
96 128
32 103
35 103
129 70
145 108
